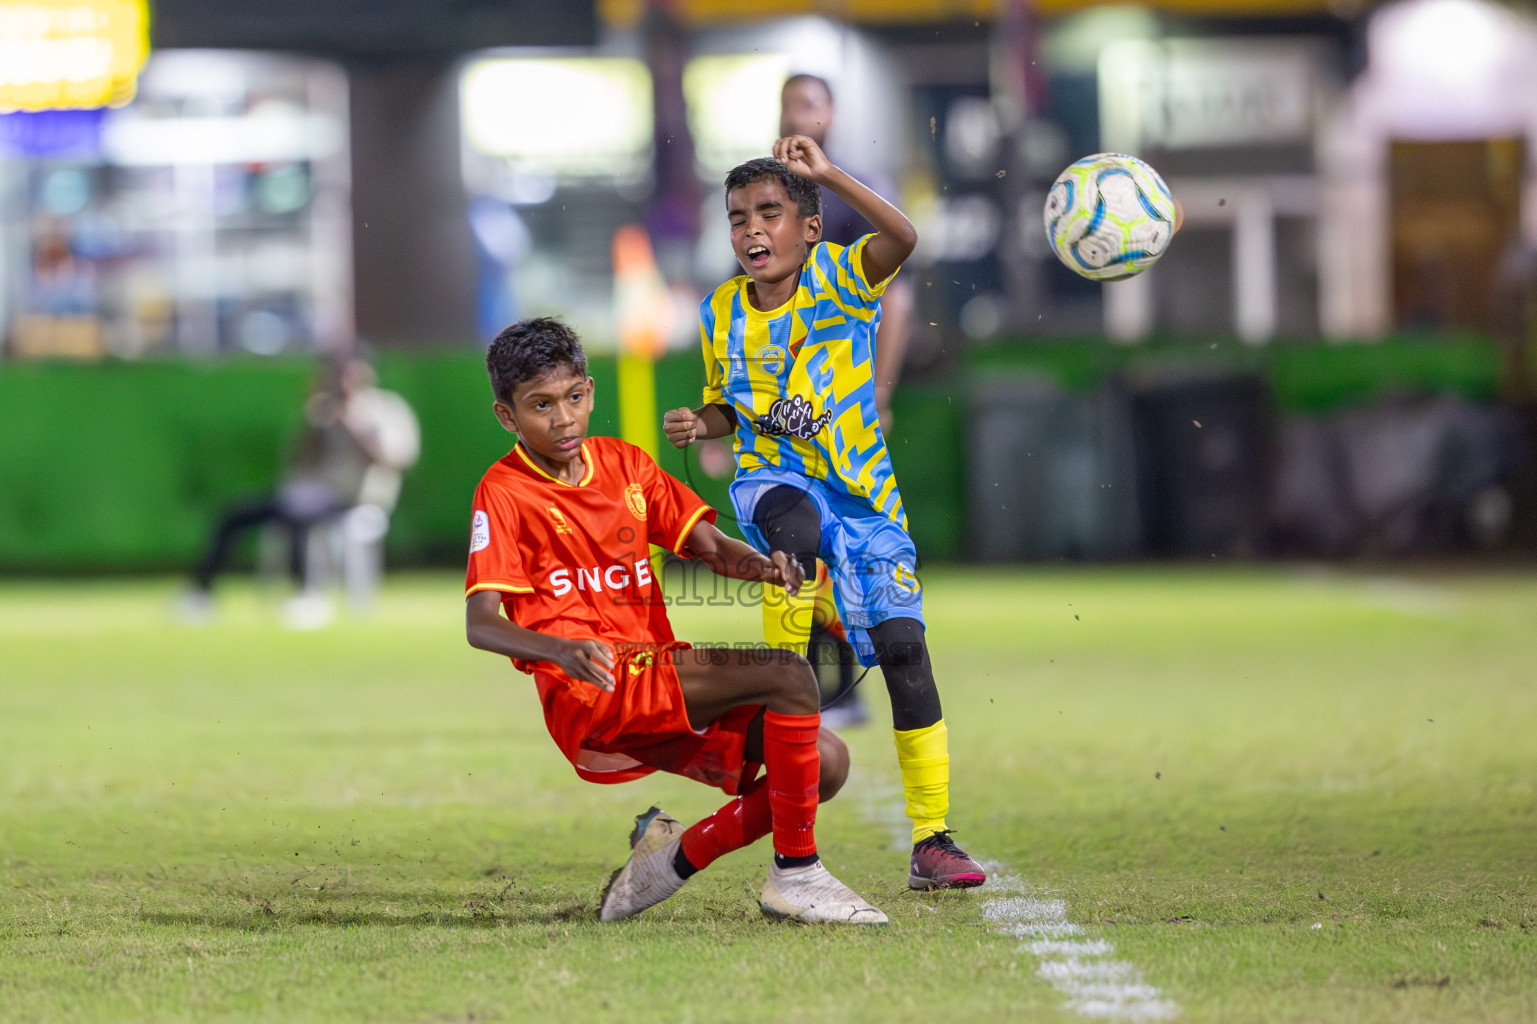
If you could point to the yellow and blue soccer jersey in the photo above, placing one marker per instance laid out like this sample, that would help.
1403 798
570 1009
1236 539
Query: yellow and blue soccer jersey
801 377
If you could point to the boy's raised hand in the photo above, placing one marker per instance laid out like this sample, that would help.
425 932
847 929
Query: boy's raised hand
894 234
681 427
802 156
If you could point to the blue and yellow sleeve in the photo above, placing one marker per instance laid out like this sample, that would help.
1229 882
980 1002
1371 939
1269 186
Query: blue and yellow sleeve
714 373
841 271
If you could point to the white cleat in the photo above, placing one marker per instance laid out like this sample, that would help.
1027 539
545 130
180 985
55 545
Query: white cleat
811 895
648 877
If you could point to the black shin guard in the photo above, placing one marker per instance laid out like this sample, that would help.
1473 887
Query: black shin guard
904 659
789 522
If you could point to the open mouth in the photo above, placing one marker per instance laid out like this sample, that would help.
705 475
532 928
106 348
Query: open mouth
757 255
566 444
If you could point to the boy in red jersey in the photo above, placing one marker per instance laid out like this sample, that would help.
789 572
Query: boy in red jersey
560 543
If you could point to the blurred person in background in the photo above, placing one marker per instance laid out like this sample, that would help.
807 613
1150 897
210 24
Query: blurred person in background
806 107
356 442
1515 323
62 282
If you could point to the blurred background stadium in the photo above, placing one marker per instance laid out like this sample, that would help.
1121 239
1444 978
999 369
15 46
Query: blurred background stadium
1337 358
1285 792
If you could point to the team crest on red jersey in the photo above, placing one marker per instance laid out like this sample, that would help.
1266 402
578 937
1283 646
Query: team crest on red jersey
635 501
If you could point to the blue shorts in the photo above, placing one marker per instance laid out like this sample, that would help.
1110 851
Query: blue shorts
871 559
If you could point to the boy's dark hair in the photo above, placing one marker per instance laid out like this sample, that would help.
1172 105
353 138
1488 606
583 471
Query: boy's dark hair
807 196
529 348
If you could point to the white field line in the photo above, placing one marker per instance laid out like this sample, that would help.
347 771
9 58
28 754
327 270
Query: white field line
1080 968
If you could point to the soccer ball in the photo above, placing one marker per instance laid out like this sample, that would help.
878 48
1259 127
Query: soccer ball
1109 216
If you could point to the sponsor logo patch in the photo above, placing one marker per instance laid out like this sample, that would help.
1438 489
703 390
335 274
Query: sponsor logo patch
792 416
905 578
561 526
480 532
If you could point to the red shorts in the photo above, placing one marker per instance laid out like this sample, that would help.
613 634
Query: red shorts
642 726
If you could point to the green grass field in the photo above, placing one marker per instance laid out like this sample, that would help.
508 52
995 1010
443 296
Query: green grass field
1280 796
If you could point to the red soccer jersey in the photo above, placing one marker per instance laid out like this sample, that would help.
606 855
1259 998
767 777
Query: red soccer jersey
573 560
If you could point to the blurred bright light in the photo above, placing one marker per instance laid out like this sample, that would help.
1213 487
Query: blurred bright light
733 107
588 116
1450 69
67 54
1452 43
272 132
1074 42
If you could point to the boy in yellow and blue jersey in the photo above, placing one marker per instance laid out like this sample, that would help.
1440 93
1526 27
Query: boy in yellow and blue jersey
788 351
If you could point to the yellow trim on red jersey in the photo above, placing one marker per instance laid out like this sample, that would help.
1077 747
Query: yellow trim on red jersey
688 527
501 587
586 477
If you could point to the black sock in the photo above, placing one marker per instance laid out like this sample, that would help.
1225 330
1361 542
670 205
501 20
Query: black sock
681 865
782 862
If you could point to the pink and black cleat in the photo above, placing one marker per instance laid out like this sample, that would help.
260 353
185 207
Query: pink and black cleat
939 864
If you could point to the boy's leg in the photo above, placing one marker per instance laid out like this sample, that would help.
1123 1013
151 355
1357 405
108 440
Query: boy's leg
747 819
789 523
875 562
923 755
784 684
843 706
799 887
664 855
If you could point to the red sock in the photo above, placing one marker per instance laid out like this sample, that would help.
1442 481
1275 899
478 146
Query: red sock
793 763
740 823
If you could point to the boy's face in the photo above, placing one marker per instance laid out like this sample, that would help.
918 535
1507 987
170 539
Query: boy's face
768 234
549 413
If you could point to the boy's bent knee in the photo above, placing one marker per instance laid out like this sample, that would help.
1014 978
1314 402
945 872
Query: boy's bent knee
794 684
899 643
835 765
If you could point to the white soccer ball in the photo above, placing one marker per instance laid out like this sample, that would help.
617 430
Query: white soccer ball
1109 216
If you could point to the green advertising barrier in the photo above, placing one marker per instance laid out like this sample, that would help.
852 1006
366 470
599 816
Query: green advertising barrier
125 466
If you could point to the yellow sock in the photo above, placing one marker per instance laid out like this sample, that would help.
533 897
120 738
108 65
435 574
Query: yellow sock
924 756
787 617
824 605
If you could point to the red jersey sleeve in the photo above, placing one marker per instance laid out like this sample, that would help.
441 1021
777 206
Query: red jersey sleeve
672 510
495 563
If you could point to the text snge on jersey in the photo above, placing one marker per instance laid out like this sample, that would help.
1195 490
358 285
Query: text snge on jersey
597 578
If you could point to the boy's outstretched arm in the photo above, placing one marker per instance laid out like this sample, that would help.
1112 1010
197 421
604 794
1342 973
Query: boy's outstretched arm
487 630
685 426
895 235
729 557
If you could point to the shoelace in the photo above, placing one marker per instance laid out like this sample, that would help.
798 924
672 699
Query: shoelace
942 840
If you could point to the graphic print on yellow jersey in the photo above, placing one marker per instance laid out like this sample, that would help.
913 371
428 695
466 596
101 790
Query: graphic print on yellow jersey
792 416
